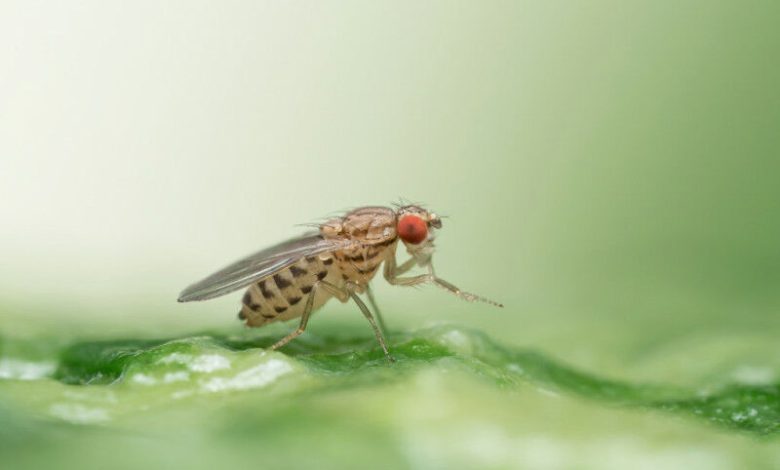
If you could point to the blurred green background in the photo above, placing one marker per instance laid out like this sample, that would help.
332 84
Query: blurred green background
609 169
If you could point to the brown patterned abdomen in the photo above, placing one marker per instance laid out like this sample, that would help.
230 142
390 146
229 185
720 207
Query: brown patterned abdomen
283 296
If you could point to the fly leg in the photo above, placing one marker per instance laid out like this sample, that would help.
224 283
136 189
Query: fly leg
392 275
344 293
370 318
399 270
406 266
372 302
304 320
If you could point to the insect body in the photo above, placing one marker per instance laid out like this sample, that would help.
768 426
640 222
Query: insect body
296 277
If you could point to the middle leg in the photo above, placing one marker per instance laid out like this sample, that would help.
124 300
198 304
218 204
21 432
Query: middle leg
345 293
375 307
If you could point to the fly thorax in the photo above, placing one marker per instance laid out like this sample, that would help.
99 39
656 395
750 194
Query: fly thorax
369 224
372 229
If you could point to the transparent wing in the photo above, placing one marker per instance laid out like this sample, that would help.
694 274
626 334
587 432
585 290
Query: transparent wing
260 265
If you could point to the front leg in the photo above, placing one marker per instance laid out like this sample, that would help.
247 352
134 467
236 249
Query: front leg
399 270
392 276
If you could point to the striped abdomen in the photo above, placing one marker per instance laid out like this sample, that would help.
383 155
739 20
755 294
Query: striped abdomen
283 296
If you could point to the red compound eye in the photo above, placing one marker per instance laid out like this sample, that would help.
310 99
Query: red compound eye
412 229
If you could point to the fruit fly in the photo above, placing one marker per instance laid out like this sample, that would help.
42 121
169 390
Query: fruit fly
296 277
